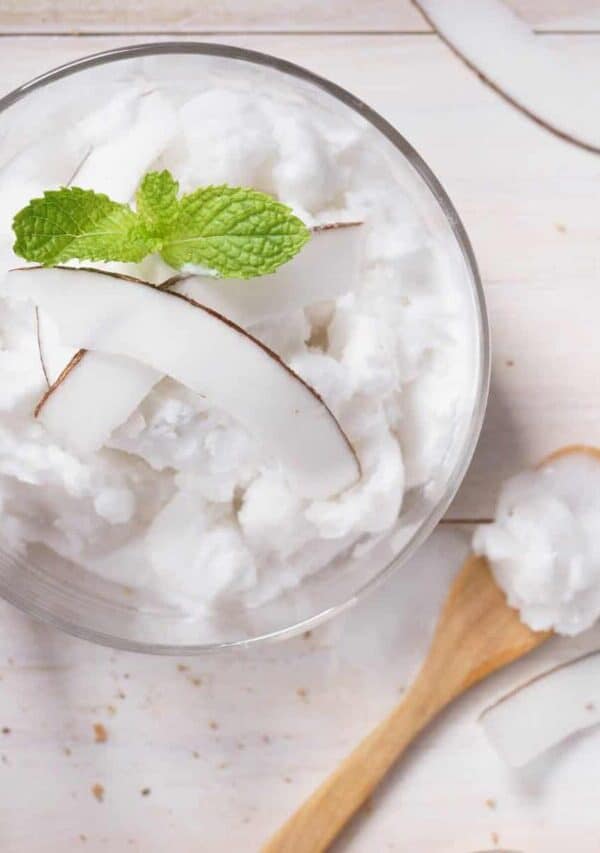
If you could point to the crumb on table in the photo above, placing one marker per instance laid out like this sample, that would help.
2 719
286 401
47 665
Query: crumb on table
98 791
100 733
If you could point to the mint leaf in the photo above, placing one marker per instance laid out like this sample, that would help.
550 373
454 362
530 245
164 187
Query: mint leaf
239 233
157 202
72 223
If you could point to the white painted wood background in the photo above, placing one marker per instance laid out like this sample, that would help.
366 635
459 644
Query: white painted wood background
228 746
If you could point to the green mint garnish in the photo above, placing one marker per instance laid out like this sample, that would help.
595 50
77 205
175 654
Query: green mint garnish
73 223
237 232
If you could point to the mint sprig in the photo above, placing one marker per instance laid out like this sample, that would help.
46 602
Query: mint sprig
237 232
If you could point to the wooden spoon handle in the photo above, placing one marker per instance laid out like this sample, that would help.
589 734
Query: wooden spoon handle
320 818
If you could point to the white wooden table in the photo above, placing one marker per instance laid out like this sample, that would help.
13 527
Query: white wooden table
210 755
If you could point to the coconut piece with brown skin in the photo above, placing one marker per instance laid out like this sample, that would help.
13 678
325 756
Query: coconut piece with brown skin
173 335
536 78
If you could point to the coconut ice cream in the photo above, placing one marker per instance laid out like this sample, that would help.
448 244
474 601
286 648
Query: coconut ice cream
544 546
166 461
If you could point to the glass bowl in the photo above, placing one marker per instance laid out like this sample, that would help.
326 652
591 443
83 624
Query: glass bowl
93 608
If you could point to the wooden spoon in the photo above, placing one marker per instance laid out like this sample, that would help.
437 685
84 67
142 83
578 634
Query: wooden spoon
477 634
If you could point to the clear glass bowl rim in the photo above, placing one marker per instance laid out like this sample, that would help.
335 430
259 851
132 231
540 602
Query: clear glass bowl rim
456 477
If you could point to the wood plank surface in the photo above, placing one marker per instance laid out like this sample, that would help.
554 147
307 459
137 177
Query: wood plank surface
48 16
529 201
211 754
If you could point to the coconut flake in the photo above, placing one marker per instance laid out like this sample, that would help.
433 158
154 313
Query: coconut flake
206 352
509 57
54 357
545 711
118 386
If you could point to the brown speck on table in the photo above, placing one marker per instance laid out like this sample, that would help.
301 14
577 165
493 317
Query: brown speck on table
223 765
83 837
561 228
100 733
195 680
181 667
67 750
213 725
125 675
510 362
4 759
495 838
110 709
490 803
287 779
302 693
307 635
98 791
5 730
590 706
145 792
121 694
196 754
240 745
266 739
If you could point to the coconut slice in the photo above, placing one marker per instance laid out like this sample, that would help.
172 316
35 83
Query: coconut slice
508 56
53 355
326 268
117 385
203 350
545 711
